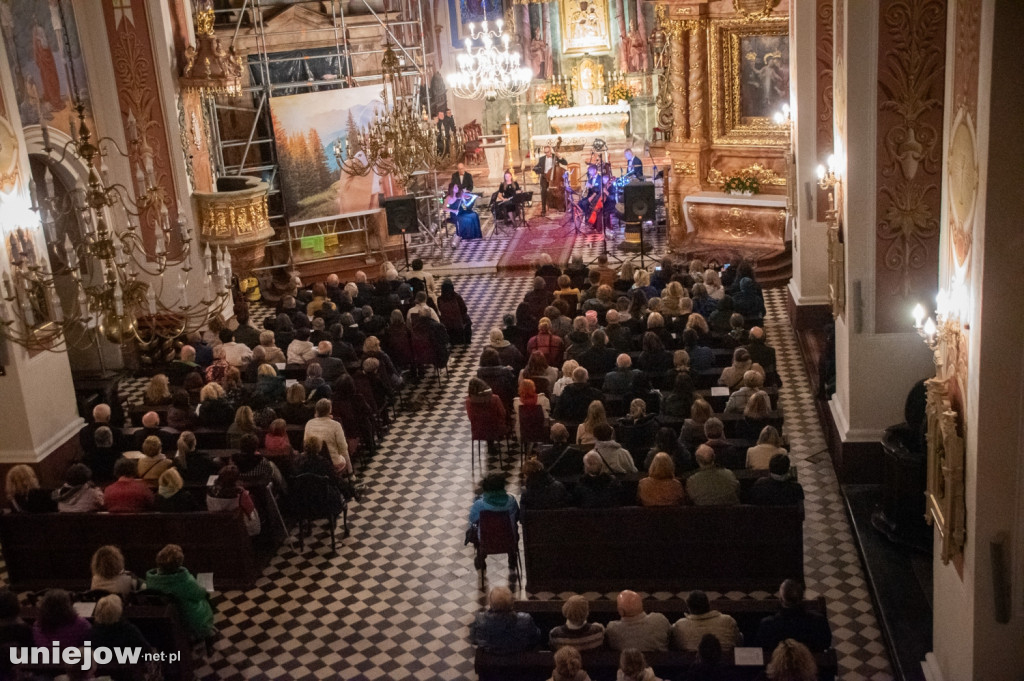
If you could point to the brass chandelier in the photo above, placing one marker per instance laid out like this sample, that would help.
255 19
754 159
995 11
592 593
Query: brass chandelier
103 264
399 141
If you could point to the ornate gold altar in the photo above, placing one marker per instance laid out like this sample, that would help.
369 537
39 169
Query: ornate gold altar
726 76
726 225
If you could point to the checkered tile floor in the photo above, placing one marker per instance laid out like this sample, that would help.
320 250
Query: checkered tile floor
396 601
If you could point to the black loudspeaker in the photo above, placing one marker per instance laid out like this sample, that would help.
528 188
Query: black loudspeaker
638 199
401 214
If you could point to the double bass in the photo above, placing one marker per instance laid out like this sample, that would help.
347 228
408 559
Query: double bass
602 198
556 188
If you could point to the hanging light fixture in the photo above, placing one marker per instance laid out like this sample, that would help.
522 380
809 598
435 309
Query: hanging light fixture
209 68
490 71
104 265
400 140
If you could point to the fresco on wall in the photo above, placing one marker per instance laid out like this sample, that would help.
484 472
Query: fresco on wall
42 57
764 75
315 132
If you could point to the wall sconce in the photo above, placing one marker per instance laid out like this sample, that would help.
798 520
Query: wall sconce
827 177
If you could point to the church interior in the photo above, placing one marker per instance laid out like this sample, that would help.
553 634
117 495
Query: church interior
512 339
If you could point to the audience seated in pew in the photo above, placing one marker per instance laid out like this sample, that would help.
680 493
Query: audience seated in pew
108 573
779 489
711 485
635 628
540 490
24 494
576 633
769 443
620 381
58 624
661 487
568 665
171 495
614 458
688 631
500 629
732 376
153 463
78 494
597 488
194 466
574 403
228 494
752 382
170 576
127 494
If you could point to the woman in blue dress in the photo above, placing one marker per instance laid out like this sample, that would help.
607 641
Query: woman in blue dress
460 209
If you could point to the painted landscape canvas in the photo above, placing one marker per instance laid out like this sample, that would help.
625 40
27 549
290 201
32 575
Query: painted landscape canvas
316 133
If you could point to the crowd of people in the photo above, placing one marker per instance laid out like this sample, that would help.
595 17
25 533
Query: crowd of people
610 371
791 636
300 398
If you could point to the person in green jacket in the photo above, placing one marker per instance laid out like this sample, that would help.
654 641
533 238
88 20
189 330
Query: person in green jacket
172 578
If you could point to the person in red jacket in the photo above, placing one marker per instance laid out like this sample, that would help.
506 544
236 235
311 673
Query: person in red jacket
127 494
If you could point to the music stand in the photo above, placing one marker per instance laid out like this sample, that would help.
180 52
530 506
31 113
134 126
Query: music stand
519 202
604 219
573 213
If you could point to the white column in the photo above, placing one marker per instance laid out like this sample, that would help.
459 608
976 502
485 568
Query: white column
809 285
37 397
969 643
874 372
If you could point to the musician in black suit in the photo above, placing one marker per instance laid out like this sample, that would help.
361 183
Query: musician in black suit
449 122
462 178
545 169
634 166
591 190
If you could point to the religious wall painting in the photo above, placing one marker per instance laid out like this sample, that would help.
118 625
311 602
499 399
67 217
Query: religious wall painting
462 13
43 57
764 75
315 133
585 27
750 80
10 153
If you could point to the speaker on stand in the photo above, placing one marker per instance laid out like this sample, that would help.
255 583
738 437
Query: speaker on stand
400 212
638 207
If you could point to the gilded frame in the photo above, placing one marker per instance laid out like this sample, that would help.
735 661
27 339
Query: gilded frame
946 509
573 44
728 125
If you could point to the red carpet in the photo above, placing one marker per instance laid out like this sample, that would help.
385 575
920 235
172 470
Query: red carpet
544 235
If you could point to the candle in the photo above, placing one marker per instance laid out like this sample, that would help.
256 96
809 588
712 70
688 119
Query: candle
151 299
918 314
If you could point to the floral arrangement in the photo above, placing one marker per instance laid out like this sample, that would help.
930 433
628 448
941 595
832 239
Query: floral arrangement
622 91
556 97
741 184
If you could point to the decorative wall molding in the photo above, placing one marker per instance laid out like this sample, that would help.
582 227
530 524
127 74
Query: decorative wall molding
911 81
131 50
824 143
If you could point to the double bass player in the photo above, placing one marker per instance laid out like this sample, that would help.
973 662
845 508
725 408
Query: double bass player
546 169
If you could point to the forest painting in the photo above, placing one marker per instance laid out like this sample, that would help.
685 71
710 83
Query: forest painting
315 133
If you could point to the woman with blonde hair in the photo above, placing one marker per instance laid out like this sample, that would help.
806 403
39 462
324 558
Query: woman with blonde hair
672 299
214 408
158 391
769 443
193 465
24 494
755 416
626 278
244 424
595 416
171 495
568 665
661 487
713 284
698 324
153 462
296 410
108 573
792 661
271 353
568 366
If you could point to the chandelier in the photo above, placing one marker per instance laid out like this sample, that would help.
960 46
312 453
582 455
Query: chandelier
400 141
104 265
209 68
490 71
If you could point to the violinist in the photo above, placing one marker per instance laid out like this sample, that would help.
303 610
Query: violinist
591 190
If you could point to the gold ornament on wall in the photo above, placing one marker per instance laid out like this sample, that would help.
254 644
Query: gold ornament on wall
752 10
765 176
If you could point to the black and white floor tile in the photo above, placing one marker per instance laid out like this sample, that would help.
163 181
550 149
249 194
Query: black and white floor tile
397 599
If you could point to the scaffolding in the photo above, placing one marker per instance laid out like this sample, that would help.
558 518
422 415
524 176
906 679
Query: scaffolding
253 151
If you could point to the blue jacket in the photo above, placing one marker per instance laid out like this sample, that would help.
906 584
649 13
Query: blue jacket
495 501
504 633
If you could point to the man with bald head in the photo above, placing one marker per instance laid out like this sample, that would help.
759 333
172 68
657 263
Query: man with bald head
711 485
637 629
